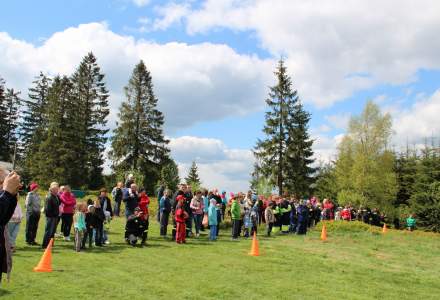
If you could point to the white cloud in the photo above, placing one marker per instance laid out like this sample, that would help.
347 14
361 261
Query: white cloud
219 166
170 14
418 122
194 83
334 48
141 3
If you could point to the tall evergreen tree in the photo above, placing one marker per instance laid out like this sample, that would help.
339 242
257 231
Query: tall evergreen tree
9 104
34 123
138 142
170 175
299 152
55 159
193 175
287 144
90 97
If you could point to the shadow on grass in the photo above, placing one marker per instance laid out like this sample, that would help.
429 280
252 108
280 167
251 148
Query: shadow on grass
4 292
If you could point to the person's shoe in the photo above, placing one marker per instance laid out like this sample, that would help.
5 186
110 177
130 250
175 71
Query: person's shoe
67 238
107 242
197 235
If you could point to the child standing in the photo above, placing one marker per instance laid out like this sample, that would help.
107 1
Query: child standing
80 225
269 217
236 215
99 218
181 217
410 223
90 224
212 220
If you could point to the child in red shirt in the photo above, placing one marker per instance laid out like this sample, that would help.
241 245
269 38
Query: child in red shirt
181 216
144 202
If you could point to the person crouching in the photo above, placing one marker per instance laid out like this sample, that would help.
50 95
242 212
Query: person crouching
181 217
136 228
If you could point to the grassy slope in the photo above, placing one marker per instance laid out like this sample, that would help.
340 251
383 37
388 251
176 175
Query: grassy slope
351 265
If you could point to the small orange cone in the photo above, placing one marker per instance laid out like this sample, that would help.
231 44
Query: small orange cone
384 229
254 249
324 233
45 264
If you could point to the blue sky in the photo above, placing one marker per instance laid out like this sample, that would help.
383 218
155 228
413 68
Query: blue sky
212 62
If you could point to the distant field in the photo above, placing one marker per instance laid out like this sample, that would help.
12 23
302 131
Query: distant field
355 263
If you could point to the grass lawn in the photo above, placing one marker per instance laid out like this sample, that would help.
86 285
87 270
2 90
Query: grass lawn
353 264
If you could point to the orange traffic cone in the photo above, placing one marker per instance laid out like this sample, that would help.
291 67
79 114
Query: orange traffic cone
254 249
45 264
384 229
324 233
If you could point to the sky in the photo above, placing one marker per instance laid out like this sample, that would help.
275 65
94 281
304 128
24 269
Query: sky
212 62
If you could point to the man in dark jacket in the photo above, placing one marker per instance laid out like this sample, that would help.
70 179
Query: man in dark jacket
51 209
303 218
131 200
9 185
136 228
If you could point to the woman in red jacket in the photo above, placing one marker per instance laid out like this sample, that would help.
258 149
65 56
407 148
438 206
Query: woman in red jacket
67 208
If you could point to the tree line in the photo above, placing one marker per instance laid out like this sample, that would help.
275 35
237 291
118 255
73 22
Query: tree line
60 131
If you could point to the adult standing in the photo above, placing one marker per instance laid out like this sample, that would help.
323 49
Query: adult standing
160 193
9 185
187 207
67 208
117 197
129 181
52 211
196 206
33 208
108 213
164 211
131 200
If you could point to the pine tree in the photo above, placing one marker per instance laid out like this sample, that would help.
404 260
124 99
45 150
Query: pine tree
90 97
138 142
193 176
287 144
170 175
299 152
9 104
34 124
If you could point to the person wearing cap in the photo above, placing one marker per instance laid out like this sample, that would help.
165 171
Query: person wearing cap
33 208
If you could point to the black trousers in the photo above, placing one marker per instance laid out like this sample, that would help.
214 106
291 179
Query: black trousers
49 231
164 216
32 220
235 228
66 224
88 235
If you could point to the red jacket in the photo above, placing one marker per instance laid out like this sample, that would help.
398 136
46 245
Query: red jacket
346 214
143 203
181 215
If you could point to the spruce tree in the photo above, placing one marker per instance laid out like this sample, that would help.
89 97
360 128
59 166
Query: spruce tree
9 104
193 176
34 123
138 142
90 98
299 152
170 175
286 144
55 159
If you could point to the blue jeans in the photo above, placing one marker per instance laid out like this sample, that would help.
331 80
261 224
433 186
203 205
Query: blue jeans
13 229
198 222
49 231
212 232
128 212
117 208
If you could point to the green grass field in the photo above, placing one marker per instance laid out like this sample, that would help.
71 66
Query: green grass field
353 264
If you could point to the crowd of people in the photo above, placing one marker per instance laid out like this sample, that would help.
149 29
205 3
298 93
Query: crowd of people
187 212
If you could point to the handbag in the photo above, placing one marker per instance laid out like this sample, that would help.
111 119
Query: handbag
205 220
